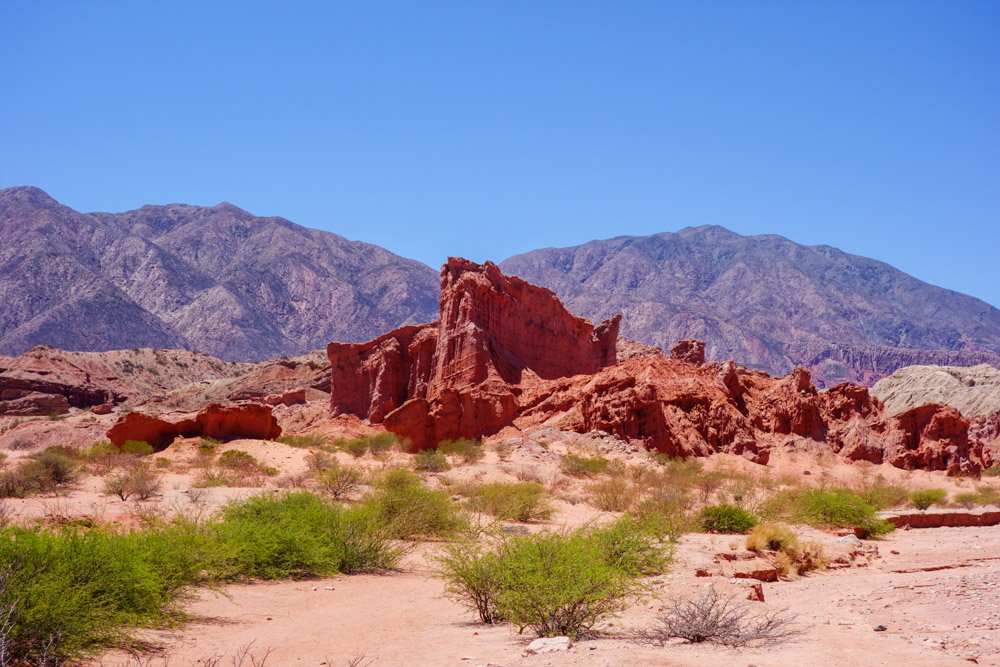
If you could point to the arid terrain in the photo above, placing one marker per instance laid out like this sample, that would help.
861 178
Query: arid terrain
856 534
934 590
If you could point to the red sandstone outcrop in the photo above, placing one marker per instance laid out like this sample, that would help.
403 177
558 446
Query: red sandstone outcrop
689 350
222 422
505 353
459 376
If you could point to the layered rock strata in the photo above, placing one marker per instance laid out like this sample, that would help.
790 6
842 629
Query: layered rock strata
460 376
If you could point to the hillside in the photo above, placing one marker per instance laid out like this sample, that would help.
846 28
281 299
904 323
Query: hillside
217 280
768 302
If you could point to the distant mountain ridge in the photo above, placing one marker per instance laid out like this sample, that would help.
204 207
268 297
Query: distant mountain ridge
221 281
768 302
217 280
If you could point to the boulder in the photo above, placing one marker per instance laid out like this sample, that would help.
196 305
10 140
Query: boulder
548 645
689 350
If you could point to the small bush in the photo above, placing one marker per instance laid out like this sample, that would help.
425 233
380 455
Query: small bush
410 510
430 460
137 448
237 459
716 619
925 498
666 516
357 447
473 577
828 508
626 545
582 466
338 481
297 535
880 494
469 451
613 495
772 536
992 471
520 501
138 480
725 519
560 585
984 495
320 460
381 443
305 441
552 583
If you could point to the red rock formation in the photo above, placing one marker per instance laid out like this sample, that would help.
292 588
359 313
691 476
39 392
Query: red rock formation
457 377
222 422
934 437
505 353
689 350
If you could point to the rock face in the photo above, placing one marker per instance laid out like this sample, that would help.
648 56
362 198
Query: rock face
218 280
222 422
768 302
973 391
457 377
505 353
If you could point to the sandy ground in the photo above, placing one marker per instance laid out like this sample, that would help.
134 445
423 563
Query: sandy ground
945 616
936 591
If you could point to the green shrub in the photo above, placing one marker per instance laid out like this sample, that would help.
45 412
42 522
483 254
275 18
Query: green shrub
626 545
613 495
430 460
582 466
666 515
237 459
470 451
305 441
72 592
137 448
924 498
297 535
320 460
43 474
553 583
840 508
992 471
137 480
338 481
725 519
382 442
474 577
410 510
357 447
520 501
880 494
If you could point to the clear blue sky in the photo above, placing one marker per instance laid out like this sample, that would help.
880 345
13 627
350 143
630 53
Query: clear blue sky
486 129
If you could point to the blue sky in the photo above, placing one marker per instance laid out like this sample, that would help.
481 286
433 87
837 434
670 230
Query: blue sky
485 129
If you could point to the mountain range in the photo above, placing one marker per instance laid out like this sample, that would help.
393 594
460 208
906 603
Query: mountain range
244 288
217 280
769 303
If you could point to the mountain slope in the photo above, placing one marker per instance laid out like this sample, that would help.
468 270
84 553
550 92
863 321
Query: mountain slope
218 280
768 302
